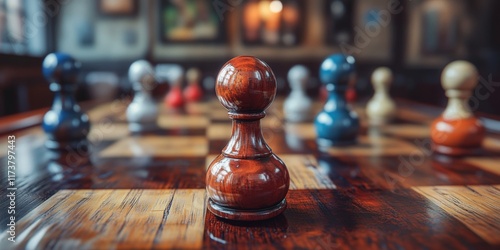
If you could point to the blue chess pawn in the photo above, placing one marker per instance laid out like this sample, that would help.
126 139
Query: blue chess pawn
65 124
337 124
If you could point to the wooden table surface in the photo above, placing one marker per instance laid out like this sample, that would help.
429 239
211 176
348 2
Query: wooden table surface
147 191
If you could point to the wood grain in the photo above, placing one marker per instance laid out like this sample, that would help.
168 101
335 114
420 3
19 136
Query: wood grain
106 130
372 202
409 131
492 144
183 121
478 207
377 145
334 219
305 174
491 164
115 219
157 146
219 131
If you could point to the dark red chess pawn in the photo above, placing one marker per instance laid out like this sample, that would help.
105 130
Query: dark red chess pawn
247 181
193 91
457 131
174 98
323 93
350 95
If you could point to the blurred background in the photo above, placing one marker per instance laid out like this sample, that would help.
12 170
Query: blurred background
415 38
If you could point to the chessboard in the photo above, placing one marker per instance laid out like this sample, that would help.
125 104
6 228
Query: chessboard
143 191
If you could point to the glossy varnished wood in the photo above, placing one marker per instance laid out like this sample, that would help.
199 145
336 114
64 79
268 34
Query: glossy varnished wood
366 197
475 206
123 219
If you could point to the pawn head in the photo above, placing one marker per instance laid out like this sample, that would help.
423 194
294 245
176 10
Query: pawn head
381 77
193 75
141 74
459 75
337 69
298 76
60 68
245 84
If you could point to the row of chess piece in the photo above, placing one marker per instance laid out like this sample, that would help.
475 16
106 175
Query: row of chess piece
297 108
456 132
247 181
142 112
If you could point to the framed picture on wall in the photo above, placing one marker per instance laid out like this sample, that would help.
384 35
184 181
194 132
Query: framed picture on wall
189 21
117 7
438 32
17 27
339 21
276 22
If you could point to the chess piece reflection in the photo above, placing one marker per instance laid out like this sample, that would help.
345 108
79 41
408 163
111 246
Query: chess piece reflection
71 169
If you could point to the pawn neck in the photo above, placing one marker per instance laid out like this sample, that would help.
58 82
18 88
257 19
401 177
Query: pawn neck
458 107
63 97
381 93
335 101
246 138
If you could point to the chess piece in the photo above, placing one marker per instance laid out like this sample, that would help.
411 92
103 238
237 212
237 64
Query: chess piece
350 95
142 112
337 124
457 131
297 106
65 124
247 181
193 92
174 97
381 109
323 93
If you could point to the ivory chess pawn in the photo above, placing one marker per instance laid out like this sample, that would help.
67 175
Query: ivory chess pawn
337 124
174 97
193 91
142 112
457 131
247 181
381 109
65 124
297 106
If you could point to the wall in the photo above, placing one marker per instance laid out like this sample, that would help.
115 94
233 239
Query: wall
109 32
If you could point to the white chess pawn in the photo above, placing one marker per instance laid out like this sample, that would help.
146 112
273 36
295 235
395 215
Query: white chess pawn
297 106
381 108
142 112
458 79
457 131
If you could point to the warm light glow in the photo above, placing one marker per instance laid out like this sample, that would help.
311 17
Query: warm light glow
276 6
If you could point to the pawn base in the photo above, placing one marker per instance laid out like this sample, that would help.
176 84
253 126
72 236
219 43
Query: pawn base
326 143
455 151
246 215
